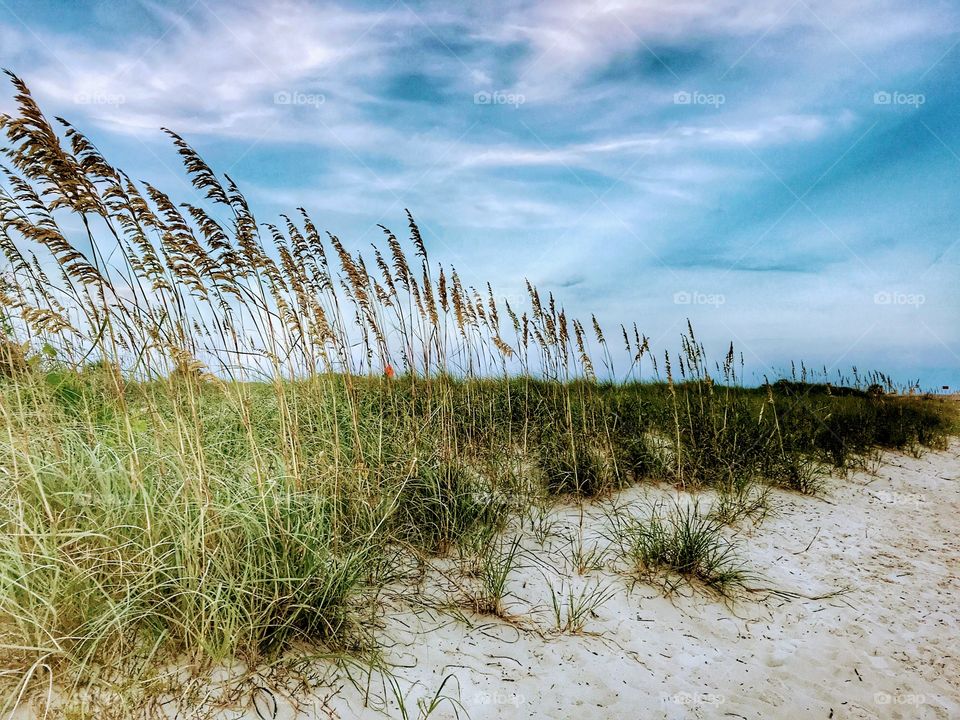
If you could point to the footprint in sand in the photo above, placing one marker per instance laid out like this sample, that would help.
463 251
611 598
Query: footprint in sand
781 654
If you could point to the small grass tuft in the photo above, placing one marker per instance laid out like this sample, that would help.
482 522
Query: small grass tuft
683 542
571 610
498 560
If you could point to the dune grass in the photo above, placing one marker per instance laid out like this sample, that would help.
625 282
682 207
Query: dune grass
682 541
218 435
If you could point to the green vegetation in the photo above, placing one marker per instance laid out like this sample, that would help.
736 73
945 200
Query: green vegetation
685 542
206 451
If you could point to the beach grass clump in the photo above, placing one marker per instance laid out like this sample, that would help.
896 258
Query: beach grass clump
743 500
681 541
498 558
571 466
636 447
572 610
113 538
841 427
439 504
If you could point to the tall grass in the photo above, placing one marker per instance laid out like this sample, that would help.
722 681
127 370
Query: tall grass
218 432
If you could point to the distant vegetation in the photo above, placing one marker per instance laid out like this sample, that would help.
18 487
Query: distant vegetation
218 435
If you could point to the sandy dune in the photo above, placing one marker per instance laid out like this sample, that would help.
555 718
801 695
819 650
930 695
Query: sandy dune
855 614
887 647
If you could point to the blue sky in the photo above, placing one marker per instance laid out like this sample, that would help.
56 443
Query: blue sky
784 173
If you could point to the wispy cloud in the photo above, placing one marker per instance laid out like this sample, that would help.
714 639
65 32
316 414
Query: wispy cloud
623 151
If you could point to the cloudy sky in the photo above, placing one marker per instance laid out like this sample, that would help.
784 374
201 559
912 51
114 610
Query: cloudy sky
785 173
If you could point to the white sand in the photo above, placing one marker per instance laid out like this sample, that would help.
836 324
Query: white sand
889 647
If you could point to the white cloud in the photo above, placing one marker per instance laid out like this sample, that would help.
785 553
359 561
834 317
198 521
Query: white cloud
770 131
218 72
570 39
